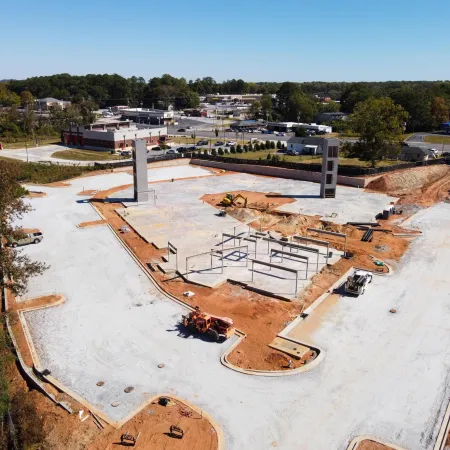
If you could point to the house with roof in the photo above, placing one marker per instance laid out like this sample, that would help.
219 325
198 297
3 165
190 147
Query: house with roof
305 145
413 154
47 103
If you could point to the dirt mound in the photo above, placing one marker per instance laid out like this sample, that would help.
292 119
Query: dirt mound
406 180
243 214
295 223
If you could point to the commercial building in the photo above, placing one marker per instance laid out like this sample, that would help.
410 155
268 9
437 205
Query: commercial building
47 103
214 98
247 125
111 136
290 126
331 117
149 116
306 146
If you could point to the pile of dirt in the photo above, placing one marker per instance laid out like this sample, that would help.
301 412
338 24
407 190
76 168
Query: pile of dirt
244 215
153 423
406 180
295 223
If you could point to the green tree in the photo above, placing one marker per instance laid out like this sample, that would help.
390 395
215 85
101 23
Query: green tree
269 156
417 102
354 94
7 97
380 123
439 111
250 147
272 145
233 149
254 111
300 132
26 99
278 144
328 107
16 267
266 106
220 151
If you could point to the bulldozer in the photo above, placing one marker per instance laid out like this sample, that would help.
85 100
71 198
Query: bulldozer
215 327
230 199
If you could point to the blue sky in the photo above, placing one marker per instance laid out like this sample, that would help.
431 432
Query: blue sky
256 40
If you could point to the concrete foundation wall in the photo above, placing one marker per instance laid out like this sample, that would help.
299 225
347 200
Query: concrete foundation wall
279 172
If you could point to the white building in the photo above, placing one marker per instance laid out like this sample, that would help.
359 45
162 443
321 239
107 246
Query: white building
290 126
44 104
305 146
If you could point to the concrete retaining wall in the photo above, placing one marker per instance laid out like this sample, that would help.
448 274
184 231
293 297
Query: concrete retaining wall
279 172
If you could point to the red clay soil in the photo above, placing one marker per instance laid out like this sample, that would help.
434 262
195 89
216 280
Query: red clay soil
88 192
92 223
258 200
153 423
372 445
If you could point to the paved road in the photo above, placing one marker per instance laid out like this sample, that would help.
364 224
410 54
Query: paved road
417 140
384 374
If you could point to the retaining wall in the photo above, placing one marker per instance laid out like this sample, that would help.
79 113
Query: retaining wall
279 172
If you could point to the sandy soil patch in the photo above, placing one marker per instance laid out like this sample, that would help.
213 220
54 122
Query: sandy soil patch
88 192
36 194
372 445
153 423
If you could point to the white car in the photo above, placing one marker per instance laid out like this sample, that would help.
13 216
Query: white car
172 151
125 153
230 143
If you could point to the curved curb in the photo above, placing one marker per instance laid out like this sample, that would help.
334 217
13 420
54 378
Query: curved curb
355 443
444 431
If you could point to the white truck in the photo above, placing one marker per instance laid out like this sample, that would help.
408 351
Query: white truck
357 282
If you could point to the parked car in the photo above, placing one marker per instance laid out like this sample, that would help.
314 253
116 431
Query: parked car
172 151
202 142
191 148
181 130
182 149
30 238
219 143
230 143
228 129
281 134
292 153
282 150
189 128
125 153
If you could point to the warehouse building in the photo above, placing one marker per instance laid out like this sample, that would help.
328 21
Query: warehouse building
111 136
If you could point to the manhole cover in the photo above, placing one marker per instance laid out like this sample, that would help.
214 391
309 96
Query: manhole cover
160 366
100 383
129 389
115 404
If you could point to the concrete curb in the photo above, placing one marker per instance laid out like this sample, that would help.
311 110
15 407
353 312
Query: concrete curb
355 443
444 431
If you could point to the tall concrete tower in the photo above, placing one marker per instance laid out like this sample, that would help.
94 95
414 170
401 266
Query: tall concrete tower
330 162
140 171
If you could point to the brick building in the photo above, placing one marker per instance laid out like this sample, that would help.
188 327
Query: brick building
111 136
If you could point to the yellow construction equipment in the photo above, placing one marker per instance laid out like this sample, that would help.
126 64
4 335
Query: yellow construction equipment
230 199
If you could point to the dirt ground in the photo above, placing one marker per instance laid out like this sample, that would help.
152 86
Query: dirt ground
88 192
36 194
92 223
372 445
153 423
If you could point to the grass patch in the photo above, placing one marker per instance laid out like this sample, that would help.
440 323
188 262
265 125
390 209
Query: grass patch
437 139
22 143
86 155
45 173
308 159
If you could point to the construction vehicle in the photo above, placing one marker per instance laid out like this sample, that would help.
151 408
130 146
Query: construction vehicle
230 199
215 327
356 283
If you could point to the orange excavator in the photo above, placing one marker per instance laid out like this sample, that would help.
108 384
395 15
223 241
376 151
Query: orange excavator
215 327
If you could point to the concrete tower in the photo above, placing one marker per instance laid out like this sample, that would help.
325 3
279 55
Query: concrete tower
330 162
140 171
